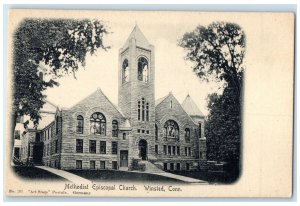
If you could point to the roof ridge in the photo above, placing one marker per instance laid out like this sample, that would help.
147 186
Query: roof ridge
191 107
101 92
138 35
182 108
83 99
111 102
160 100
46 100
171 94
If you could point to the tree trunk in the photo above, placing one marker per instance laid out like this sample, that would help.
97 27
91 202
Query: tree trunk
11 135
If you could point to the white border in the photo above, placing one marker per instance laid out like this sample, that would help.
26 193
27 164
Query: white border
210 5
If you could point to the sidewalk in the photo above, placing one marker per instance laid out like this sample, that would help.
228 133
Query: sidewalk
67 175
152 169
75 178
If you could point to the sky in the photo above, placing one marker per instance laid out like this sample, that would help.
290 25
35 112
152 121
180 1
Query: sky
172 72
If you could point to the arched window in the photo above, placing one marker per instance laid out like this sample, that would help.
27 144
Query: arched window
98 123
156 132
139 110
79 125
171 130
115 128
143 110
143 70
187 134
125 71
147 112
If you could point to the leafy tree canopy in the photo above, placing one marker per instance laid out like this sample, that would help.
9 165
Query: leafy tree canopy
217 52
223 127
61 45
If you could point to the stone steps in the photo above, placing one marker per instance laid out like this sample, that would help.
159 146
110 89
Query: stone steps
123 168
150 168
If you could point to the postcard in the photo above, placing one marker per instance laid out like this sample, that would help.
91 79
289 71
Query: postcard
149 104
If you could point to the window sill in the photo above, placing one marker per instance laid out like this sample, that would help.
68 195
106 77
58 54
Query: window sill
145 83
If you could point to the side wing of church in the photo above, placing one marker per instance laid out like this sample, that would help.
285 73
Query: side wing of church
140 133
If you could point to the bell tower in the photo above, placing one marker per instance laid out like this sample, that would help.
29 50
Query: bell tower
136 91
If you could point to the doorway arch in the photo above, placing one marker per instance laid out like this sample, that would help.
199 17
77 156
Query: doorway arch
143 147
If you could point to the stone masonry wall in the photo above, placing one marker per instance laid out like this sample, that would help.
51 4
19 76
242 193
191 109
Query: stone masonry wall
94 103
164 112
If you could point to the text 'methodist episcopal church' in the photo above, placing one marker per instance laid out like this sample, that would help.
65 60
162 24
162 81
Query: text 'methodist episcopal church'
140 132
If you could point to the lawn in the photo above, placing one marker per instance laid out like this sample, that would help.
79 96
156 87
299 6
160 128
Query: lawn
34 173
210 176
122 176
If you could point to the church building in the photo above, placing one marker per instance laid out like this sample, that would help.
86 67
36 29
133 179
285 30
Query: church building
139 132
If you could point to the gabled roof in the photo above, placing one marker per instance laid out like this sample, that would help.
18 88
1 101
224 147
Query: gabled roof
99 93
49 107
46 119
158 101
115 106
190 107
138 36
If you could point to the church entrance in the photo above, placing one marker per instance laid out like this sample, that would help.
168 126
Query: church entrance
143 149
37 153
124 158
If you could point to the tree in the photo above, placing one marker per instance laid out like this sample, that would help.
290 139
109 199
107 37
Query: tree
223 126
223 130
60 44
217 53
